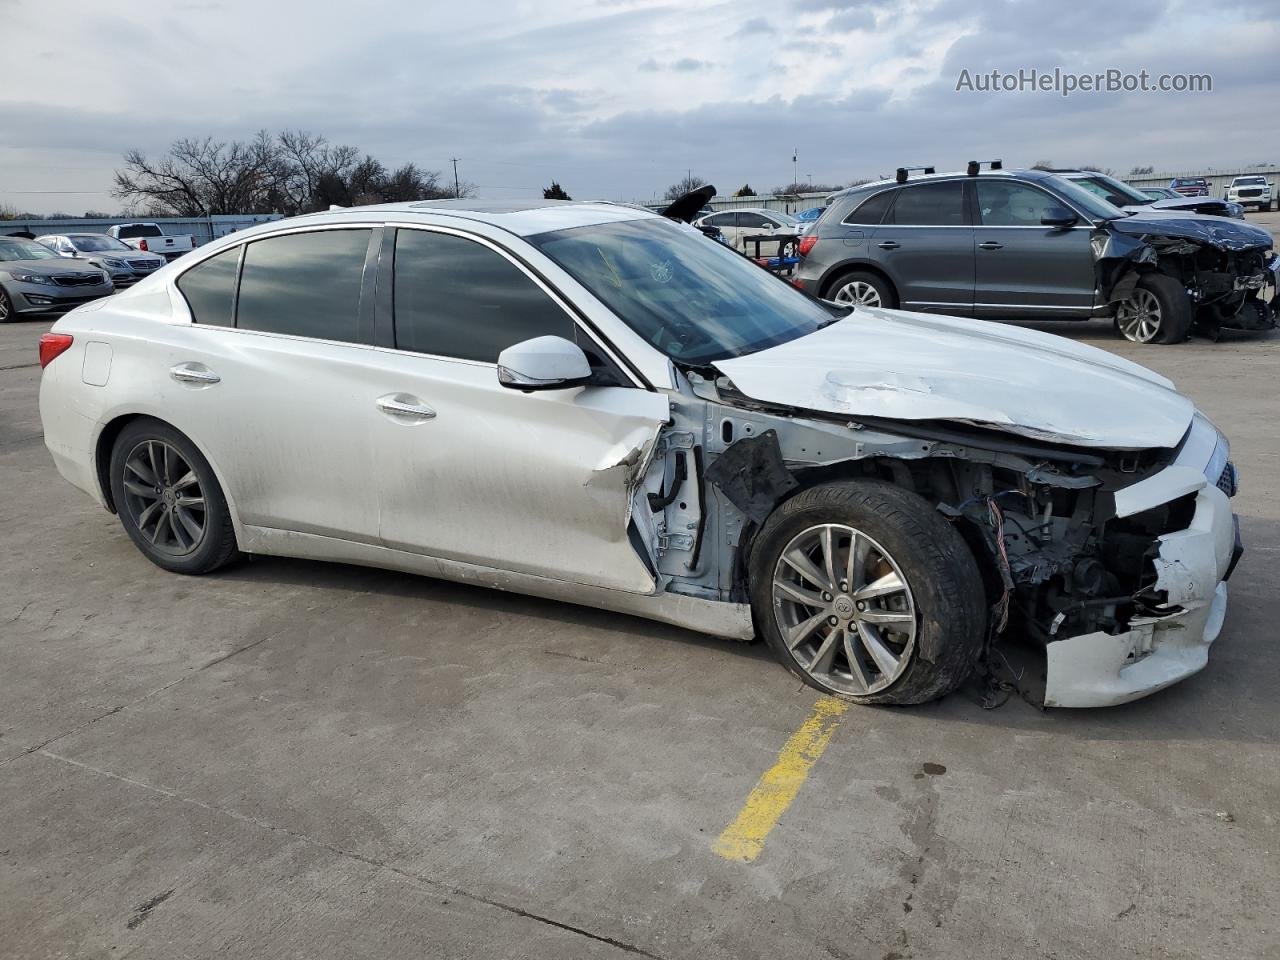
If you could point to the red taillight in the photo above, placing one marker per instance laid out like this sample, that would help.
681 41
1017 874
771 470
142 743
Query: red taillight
142 244
806 244
53 345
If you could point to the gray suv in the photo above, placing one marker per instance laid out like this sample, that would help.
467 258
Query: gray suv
1031 245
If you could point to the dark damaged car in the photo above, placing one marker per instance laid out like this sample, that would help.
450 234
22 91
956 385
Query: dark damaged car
1029 244
592 403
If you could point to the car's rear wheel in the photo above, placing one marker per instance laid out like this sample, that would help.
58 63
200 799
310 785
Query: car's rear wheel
169 500
864 591
1158 311
861 288
7 312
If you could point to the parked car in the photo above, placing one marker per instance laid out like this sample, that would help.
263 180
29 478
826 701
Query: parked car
592 403
749 222
35 281
807 218
125 265
1190 186
1159 193
149 238
1132 200
1252 190
1017 244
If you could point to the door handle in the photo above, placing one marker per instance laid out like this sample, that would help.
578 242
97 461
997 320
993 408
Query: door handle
888 244
193 373
404 406
990 245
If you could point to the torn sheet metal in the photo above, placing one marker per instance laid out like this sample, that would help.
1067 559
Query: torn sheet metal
1217 232
1103 669
913 366
752 476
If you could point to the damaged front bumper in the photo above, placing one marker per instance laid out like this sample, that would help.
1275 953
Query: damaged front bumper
1104 669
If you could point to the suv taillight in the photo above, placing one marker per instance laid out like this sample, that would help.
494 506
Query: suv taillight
142 244
807 243
52 346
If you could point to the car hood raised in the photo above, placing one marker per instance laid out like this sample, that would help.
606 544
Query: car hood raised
1220 232
911 366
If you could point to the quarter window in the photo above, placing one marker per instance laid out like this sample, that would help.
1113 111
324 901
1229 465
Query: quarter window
1005 204
304 284
872 210
210 289
930 205
458 298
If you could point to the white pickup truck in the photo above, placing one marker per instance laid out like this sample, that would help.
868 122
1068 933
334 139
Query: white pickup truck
1251 191
149 237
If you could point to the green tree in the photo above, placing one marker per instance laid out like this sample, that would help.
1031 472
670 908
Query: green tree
745 191
555 192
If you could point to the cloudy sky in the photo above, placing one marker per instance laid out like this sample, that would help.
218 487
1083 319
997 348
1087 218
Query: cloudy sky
618 98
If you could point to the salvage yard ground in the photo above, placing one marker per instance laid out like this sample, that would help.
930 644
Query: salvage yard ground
294 759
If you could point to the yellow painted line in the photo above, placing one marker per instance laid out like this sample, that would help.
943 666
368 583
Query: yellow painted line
768 801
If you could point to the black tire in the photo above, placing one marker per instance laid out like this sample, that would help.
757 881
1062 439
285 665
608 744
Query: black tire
7 312
216 544
1175 309
935 562
884 289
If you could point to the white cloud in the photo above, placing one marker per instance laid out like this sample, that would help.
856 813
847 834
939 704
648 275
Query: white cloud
618 98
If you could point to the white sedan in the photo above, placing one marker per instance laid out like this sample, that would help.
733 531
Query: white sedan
588 402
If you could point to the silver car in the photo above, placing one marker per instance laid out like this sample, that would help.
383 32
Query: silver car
34 280
125 265
592 403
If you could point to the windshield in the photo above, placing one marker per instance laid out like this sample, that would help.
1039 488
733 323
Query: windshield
97 244
692 298
1111 189
15 248
813 213
1192 182
1086 200
1247 181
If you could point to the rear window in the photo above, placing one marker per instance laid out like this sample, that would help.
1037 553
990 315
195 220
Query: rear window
134 230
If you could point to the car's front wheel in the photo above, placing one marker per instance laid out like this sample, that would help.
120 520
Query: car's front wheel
864 591
168 499
7 312
1158 311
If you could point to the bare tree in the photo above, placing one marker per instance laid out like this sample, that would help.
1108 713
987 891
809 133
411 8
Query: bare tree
1042 165
684 185
1141 171
7 212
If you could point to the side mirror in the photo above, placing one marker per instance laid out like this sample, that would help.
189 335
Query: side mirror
543 363
1059 217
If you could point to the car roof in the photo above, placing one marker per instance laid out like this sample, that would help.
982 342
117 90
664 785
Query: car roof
523 218
953 175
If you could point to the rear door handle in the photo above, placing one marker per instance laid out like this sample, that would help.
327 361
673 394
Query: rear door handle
990 245
888 244
193 373
404 406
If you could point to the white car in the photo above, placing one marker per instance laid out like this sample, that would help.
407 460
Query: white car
737 225
1251 191
589 402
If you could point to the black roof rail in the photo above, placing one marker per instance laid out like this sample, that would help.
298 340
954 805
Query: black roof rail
976 165
903 171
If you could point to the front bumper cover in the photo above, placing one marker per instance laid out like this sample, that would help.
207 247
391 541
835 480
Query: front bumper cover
1102 669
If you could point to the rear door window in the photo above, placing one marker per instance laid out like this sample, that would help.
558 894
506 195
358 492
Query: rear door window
210 289
930 205
304 284
753 221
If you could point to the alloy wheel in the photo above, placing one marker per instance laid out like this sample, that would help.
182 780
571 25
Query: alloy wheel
859 293
844 609
4 306
1139 317
164 498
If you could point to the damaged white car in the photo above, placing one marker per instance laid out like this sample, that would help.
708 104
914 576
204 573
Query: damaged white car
592 403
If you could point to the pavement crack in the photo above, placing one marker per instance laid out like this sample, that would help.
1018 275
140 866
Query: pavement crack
438 885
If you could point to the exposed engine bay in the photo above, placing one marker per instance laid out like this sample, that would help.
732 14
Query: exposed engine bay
1226 268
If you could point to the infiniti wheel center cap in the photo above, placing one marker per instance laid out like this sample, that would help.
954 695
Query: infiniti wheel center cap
170 498
843 607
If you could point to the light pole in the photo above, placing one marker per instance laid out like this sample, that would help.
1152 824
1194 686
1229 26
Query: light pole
457 192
